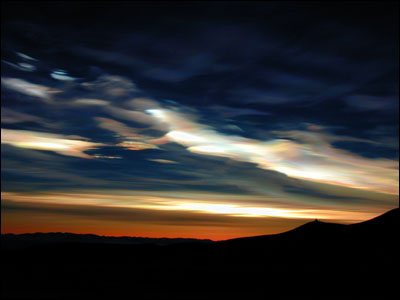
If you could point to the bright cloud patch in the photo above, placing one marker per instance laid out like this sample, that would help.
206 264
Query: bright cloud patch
210 203
45 141
163 161
30 89
312 158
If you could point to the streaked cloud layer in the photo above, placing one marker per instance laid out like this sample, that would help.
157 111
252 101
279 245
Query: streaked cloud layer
70 146
226 204
30 89
311 157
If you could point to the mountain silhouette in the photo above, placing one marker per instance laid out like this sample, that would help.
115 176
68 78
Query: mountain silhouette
30 239
371 243
317 232
316 260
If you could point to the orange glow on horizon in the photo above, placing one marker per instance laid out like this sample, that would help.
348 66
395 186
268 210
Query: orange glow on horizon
210 233
151 215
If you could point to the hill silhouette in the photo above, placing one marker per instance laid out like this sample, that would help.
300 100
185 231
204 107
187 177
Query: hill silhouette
352 261
385 225
30 239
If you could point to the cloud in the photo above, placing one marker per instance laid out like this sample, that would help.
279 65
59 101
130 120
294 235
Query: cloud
230 112
26 57
21 66
64 145
142 104
312 158
132 115
90 102
257 95
118 127
10 116
185 202
106 156
163 161
368 103
61 75
133 145
128 136
112 85
35 90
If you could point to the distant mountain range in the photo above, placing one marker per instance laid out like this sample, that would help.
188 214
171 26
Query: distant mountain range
316 260
30 239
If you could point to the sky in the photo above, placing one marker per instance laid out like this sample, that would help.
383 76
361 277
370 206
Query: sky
199 119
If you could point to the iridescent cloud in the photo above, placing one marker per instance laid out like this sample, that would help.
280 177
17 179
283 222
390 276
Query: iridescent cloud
310 157
111 85
163 161
194 202
90 102
10 116
35 90
26 57
61 144
61 75
129 138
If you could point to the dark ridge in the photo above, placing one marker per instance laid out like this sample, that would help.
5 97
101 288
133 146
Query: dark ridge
389 219
317 260
30 239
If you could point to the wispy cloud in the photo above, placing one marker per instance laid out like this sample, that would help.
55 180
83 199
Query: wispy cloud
90 102
10 116
26 57
312 158
61 75
230 112
370 103
142 104
130 138
209 203
131 115
61 144
35 90
112 85
163 161
133 145
21 66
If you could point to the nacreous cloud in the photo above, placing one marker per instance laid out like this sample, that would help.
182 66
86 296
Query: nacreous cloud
114 86
10 116
130 139
311 159
64 145
35 90
189 202
90 102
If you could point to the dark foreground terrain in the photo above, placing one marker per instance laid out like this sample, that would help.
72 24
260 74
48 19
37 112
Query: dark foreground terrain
316 260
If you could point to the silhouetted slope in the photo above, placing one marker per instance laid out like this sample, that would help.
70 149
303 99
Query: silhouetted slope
389 218
370 246
384 224
307 231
